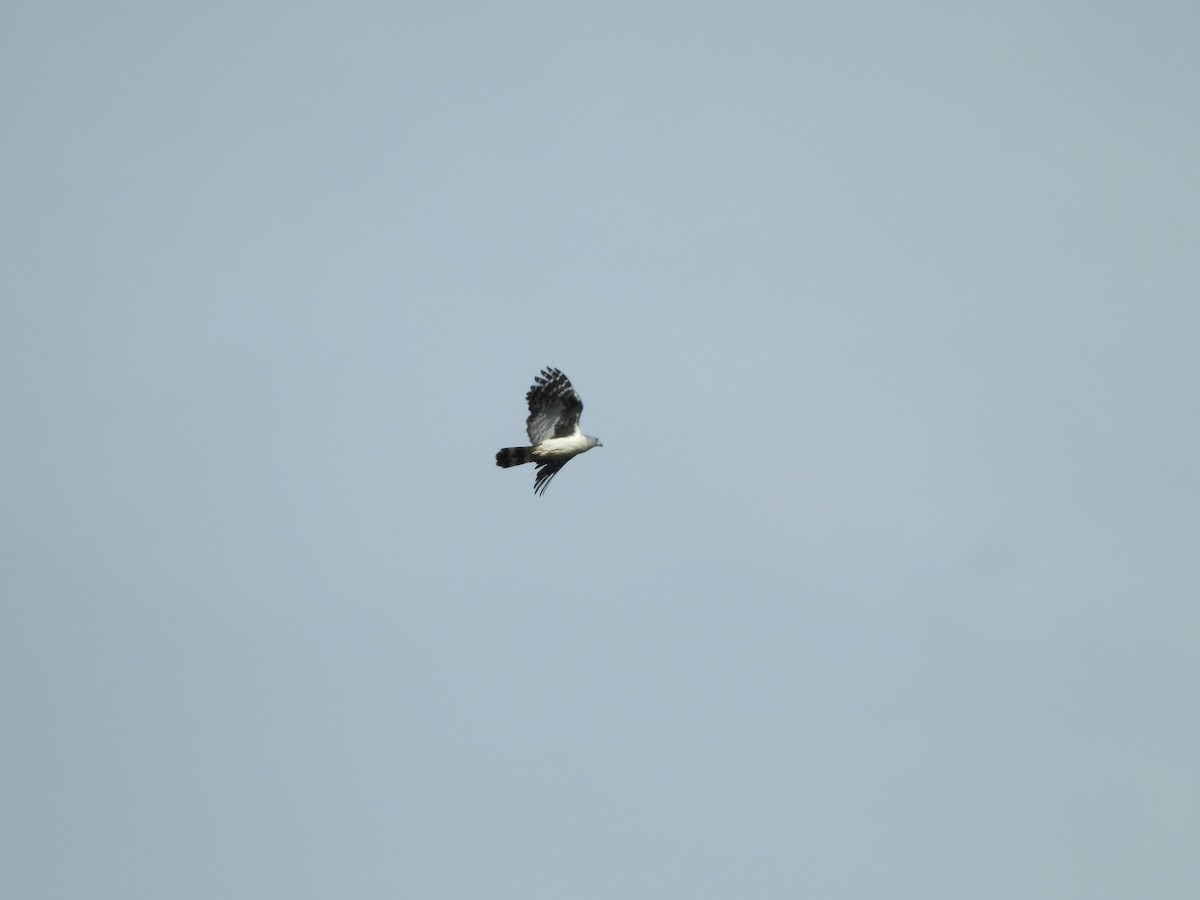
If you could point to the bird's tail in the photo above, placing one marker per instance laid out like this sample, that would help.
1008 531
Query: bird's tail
514 456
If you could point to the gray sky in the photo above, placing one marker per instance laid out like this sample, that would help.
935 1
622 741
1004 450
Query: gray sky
883 585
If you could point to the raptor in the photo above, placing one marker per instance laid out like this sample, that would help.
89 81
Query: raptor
553 429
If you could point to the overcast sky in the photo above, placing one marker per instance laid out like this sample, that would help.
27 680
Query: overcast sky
883 585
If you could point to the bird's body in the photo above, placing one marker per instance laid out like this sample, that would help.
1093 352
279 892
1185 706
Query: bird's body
564 447
553 429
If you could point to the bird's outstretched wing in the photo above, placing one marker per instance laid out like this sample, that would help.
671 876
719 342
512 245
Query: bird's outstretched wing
554 410
546 471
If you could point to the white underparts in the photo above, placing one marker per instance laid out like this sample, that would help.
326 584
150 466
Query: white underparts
564 447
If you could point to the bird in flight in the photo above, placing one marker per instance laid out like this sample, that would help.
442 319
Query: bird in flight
553 429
